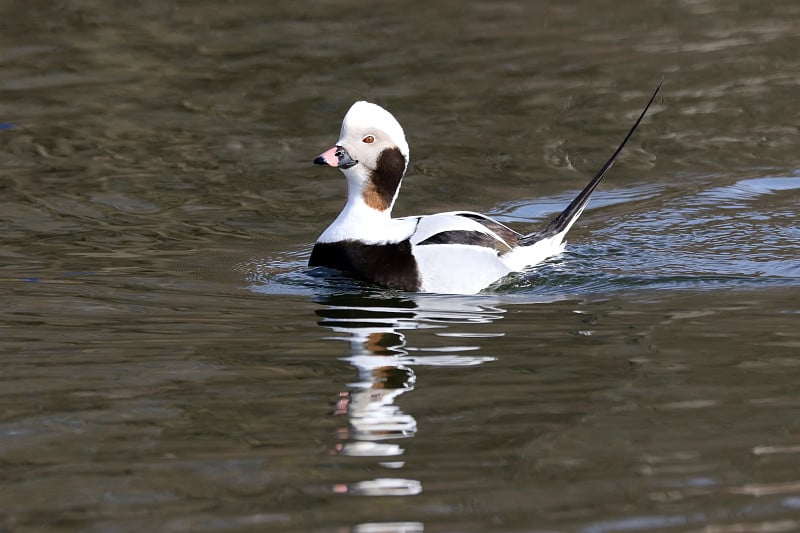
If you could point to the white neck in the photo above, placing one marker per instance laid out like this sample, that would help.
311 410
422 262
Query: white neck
359 221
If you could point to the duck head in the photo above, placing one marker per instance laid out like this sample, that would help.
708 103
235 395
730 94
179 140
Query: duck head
372 152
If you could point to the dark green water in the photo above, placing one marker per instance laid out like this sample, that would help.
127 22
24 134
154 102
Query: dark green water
169 364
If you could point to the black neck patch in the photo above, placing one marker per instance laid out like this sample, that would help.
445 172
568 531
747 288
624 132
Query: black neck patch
391 265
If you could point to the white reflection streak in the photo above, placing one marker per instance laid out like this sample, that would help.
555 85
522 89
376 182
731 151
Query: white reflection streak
389 527
381 357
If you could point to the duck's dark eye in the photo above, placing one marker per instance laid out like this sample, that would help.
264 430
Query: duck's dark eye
369 139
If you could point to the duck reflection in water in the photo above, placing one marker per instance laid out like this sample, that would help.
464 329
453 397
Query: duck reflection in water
372 325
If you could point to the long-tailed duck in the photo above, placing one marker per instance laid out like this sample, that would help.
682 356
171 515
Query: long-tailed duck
457 252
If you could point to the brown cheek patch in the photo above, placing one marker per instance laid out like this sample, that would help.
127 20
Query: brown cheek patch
385 179
374 199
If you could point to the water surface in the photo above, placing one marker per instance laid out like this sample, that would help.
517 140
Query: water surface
169 363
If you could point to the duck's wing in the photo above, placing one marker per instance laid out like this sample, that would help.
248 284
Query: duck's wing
464 228
460 252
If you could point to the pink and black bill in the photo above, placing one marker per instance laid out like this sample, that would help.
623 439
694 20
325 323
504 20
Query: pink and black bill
336 157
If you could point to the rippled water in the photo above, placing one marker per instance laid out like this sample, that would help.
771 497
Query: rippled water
170 364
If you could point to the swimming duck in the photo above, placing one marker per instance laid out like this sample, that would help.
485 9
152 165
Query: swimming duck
456 252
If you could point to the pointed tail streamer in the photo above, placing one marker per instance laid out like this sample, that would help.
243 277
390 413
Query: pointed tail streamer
567 217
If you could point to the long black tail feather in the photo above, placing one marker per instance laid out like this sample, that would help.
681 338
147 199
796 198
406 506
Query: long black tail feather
574 209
